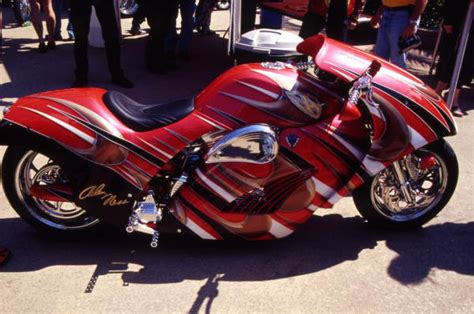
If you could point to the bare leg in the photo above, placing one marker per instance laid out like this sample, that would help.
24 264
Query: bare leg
50 18
441 86
456 98
36 19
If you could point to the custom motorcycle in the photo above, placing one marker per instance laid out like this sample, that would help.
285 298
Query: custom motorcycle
254 155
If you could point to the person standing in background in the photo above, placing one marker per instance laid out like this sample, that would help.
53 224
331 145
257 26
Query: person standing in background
137 21
81 17
202 20
46 6
179 45
159 14
335 15
249 10
396 20
59 6
454 15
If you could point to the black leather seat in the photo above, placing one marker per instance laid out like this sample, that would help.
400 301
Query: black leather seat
141 117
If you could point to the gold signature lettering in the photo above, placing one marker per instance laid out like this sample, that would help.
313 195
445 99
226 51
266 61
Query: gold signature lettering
108 199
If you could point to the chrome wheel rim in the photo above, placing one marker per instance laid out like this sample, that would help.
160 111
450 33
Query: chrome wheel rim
426 187
35 168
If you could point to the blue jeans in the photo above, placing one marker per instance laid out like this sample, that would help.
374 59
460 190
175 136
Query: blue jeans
391 28
186 9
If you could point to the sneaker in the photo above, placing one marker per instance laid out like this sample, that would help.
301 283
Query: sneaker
70 35
122 81
136 31
58 37
42 48
51 45
457 112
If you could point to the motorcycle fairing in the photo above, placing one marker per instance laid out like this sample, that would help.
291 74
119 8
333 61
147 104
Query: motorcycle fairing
255 94
233 199
425 112
218 200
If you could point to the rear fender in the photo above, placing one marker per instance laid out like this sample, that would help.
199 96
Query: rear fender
12 134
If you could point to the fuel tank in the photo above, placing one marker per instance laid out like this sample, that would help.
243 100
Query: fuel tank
271 93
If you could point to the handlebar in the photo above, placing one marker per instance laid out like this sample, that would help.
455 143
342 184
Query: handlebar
363 83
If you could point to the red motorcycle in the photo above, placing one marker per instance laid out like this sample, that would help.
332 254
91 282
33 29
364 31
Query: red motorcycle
252 156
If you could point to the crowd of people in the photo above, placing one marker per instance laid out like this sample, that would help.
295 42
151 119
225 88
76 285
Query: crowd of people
163 46
397 22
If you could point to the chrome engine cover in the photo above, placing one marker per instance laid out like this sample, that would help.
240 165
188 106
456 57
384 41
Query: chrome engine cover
256 144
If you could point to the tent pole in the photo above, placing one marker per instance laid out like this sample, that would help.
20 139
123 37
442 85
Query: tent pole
436 48
235 28
460 54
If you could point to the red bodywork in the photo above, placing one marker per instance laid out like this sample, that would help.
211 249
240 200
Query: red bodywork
320 160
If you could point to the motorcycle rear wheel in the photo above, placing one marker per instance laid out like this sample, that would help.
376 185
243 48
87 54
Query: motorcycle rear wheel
381 202
22 167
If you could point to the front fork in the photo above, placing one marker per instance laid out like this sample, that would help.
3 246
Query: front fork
403 182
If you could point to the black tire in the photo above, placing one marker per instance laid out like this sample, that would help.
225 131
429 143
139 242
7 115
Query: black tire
368 203
21 167
22 11
223 4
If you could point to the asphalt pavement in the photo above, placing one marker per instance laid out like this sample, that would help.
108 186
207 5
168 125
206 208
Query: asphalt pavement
335 263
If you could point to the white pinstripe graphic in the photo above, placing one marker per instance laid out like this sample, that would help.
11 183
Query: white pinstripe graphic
203 234
323 189
278 230
273 95
156 149
85 137
220 191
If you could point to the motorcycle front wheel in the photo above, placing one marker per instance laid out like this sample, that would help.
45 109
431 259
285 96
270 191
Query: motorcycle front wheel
431 175
24 167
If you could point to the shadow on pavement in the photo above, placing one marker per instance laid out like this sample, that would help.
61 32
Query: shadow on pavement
446 246
322 243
